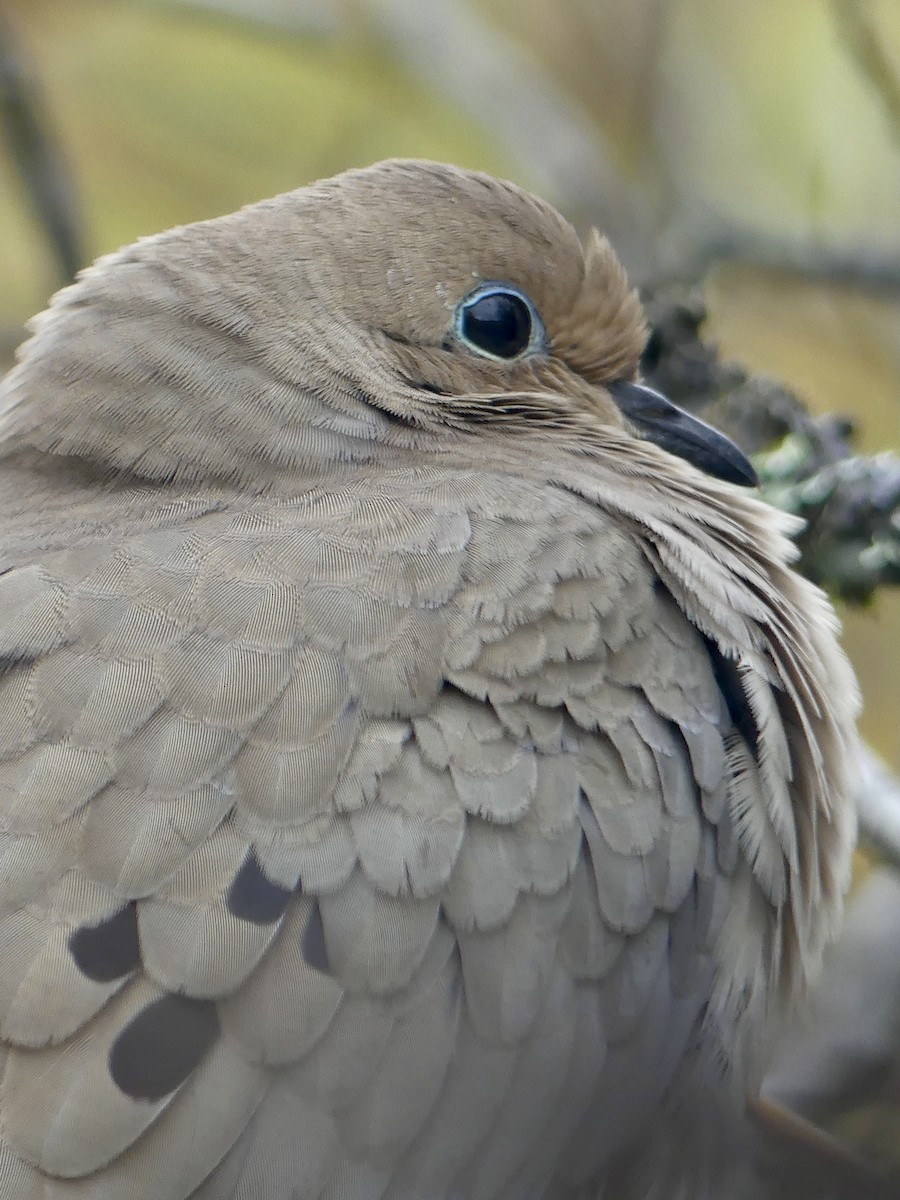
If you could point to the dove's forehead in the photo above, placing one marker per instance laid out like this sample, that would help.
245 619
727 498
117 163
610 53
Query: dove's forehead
420 232
448 212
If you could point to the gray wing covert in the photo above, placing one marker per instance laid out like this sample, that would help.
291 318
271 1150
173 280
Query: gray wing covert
192 717
611 681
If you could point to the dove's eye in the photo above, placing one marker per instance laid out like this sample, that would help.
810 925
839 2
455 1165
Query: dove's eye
499 321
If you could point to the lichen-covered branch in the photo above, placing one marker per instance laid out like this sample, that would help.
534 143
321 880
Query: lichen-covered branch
807 465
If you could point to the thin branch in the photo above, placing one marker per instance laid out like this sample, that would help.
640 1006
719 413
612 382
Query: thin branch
878 802
699 236
795 1158
36 155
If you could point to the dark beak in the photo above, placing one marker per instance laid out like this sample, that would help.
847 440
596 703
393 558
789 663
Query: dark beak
660 421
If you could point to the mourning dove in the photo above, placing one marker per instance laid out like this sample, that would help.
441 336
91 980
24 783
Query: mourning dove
423 776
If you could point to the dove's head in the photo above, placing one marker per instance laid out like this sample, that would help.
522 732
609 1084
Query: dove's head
410 307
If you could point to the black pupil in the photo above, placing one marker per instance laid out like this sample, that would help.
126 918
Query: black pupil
499 323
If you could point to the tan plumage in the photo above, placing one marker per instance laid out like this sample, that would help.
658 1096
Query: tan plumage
415 783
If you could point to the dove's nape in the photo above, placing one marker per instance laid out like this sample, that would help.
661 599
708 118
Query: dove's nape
417 783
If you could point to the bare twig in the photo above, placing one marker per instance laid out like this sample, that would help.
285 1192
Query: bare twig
699 236
795 1158
36 155
878 801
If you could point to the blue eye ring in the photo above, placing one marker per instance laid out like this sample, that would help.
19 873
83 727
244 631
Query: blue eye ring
498 321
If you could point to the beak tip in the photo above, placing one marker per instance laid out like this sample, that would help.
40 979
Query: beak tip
680 433
742 473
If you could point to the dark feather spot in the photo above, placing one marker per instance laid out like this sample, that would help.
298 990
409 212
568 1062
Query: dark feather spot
728 678
313 945
254 897
9 662
109 950
157 1051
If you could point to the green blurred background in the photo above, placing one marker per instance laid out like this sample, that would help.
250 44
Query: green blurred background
755 144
